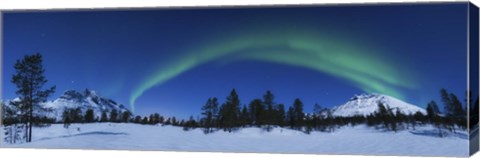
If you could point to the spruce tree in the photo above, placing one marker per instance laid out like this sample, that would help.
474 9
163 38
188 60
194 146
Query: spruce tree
29 79
89 116
76 115
244 116
231 111
459 111
298 112
460 114
453 109
432 111
208 112
155 118
268 101
174 121
433 116
330 121
317 116
114 115
418 116
280 120
145 120
126 115
138 119
383 115
257 111
448 105
215 111
291 117
66 118
104 117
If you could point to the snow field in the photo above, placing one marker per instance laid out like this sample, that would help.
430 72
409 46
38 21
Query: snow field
358 140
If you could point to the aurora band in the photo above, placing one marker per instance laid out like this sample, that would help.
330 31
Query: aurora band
361 67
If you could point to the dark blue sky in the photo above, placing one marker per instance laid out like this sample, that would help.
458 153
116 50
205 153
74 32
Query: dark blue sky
117 51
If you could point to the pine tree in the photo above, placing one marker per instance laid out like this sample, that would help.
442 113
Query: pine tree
192 123
268 101
66 119
433 116
114 115
154 118
432 111
215 111
448 105
299 114
400 118
174 121
76 115
330 121
126 115
89 116
145 120
453 109
29 80
280 120
418 116
244 116
257 111
459 113
104 117
383 115
317 116
208 112
291 117
270 115
231 111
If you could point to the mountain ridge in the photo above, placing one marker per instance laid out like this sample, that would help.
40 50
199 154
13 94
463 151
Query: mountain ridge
366 104
72 99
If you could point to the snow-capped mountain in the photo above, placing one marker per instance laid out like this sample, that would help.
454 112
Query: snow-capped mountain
85 100
366 104
72 99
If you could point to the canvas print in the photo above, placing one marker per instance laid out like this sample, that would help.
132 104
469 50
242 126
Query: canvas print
376 79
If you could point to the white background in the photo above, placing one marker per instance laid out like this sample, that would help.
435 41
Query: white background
49 4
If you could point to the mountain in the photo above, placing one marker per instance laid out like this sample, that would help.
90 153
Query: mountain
366 104
85 100
72 99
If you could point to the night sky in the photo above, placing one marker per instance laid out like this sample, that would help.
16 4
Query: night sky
172 60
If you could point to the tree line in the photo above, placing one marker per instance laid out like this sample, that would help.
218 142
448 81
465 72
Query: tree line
266 113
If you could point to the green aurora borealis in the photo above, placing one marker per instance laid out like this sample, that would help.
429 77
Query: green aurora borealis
362 67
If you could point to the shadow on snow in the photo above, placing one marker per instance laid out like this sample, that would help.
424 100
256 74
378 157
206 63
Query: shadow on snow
434 133
85 134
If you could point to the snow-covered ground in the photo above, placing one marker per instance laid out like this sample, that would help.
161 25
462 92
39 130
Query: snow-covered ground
358 140
474 140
